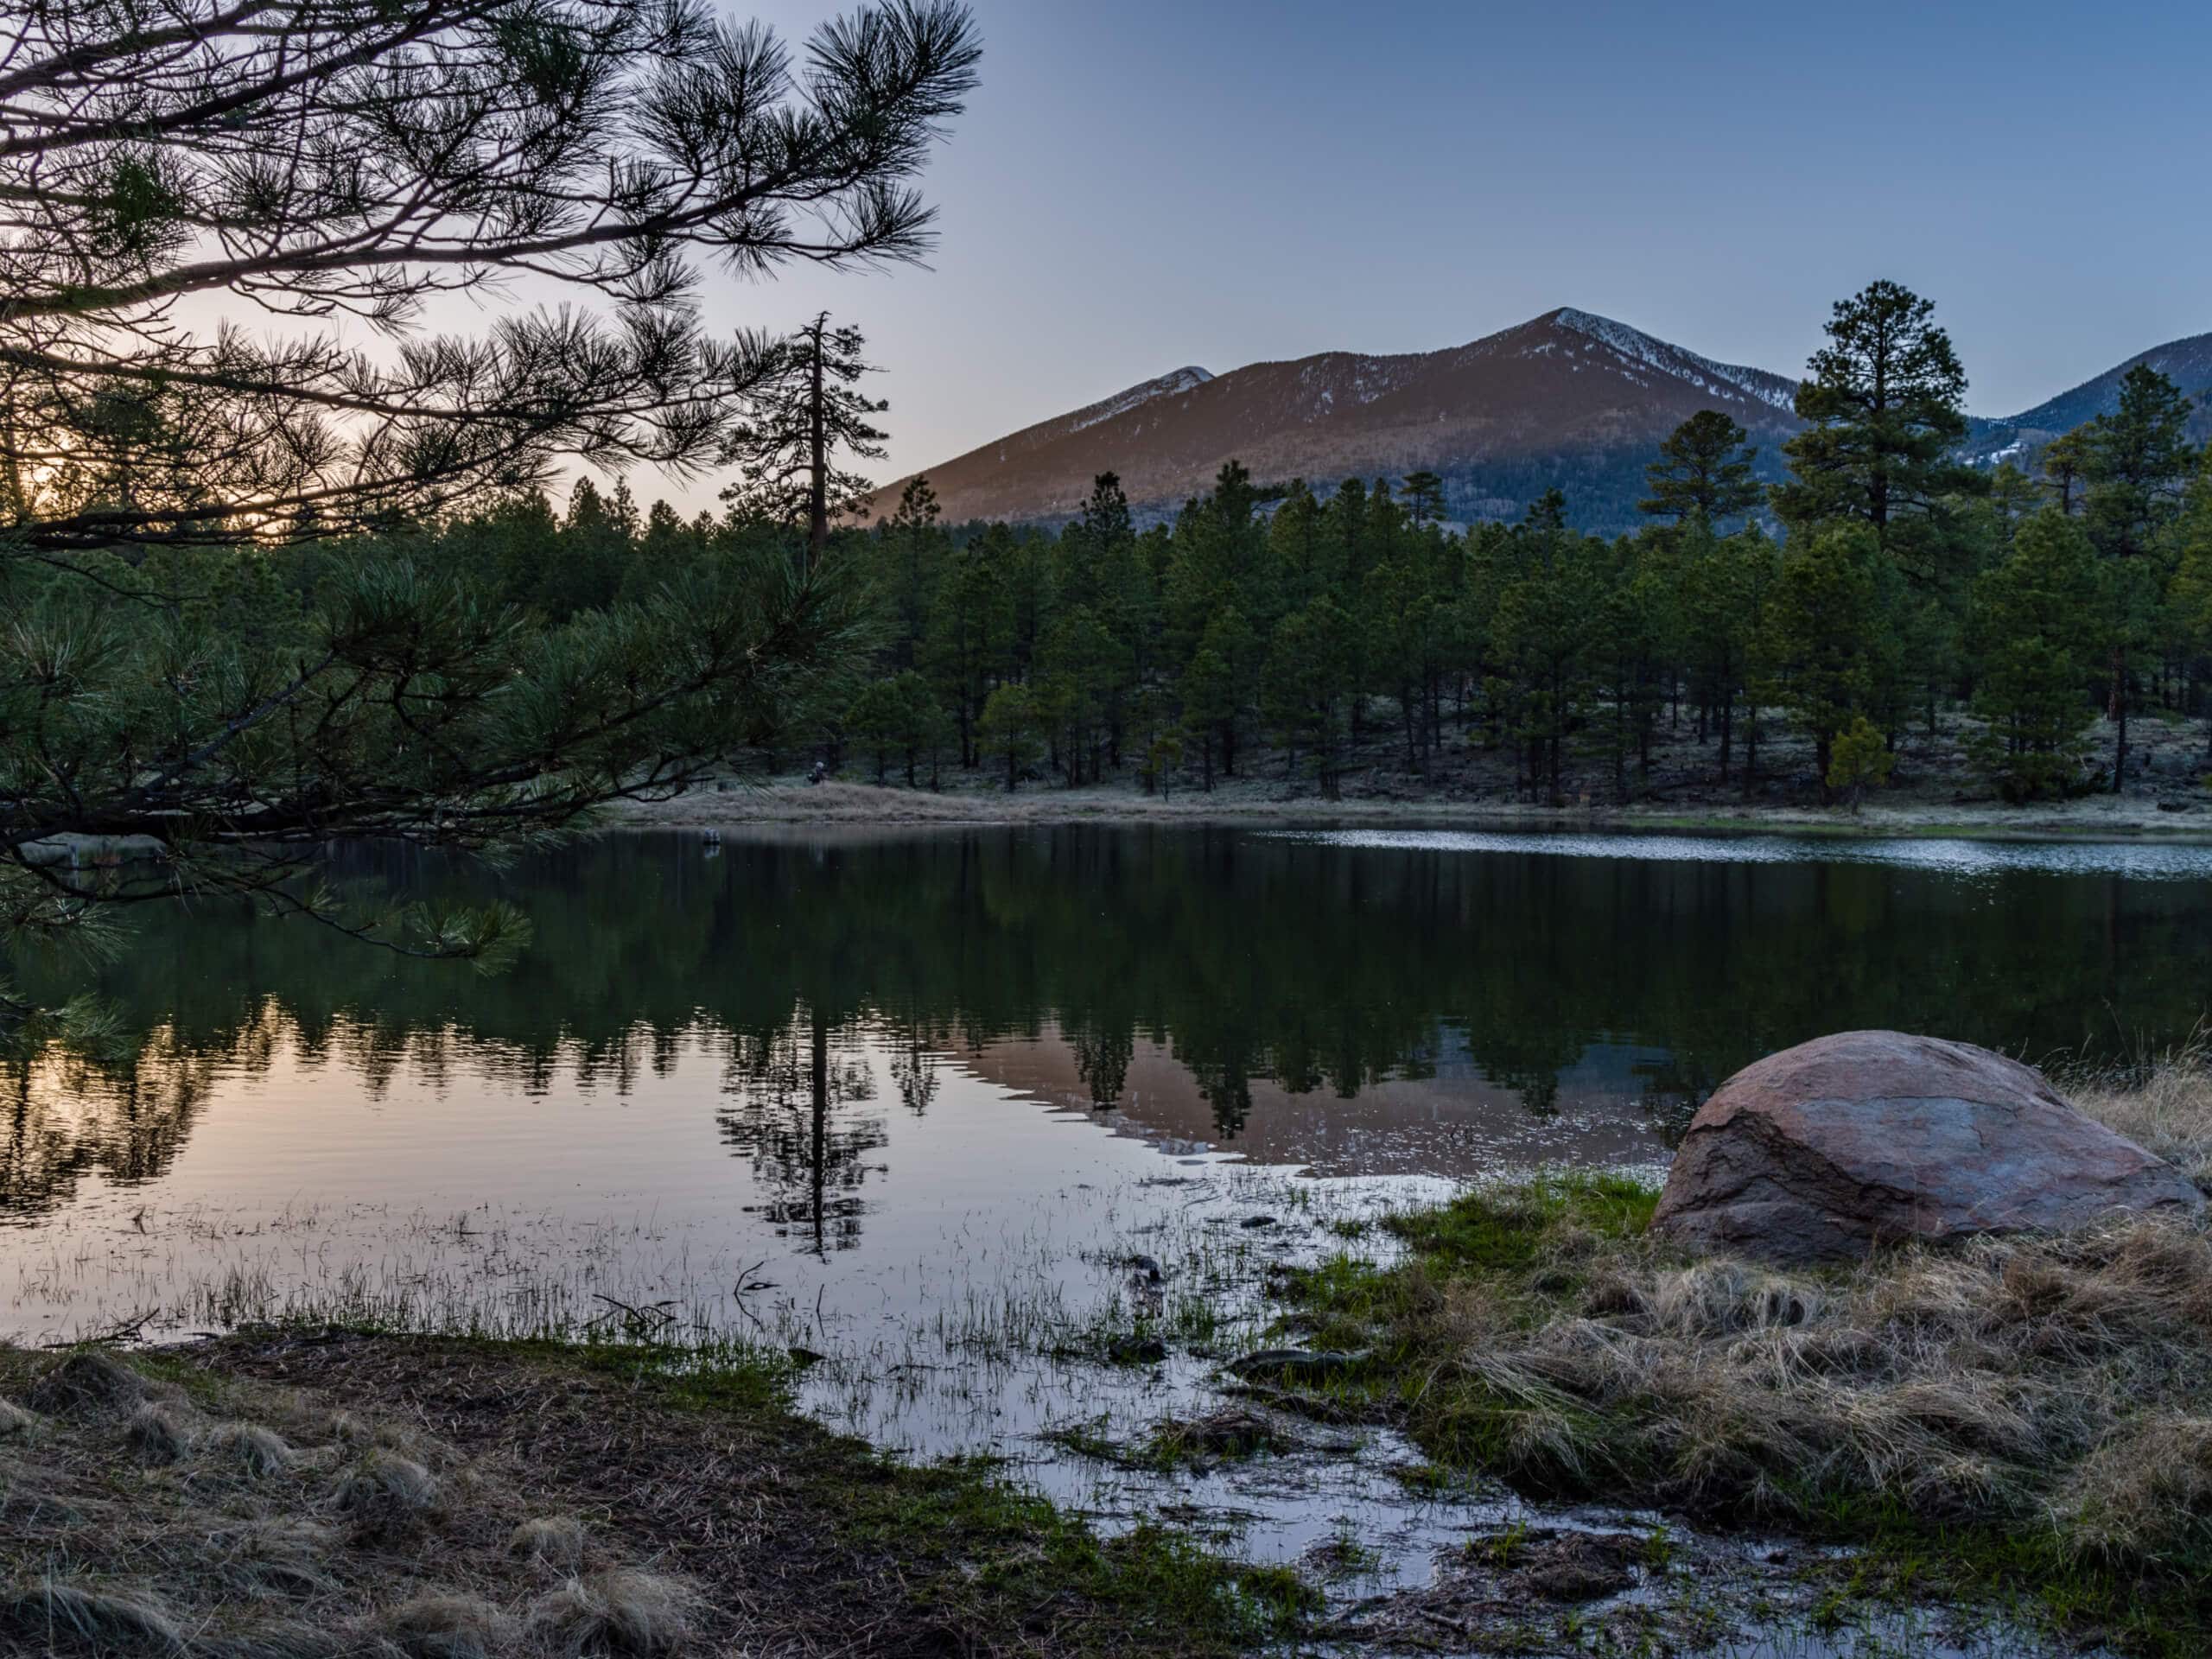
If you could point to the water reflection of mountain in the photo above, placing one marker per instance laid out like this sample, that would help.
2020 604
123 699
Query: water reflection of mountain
1234 982
1443 1115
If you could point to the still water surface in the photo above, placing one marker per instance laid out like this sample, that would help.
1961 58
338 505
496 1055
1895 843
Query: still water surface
914 1103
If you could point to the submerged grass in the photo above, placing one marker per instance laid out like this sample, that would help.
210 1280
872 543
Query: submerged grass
310 1493
2024 1418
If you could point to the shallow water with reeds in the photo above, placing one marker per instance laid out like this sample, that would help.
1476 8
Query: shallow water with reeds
966 1117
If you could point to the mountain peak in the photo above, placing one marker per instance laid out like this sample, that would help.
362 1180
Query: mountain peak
1568 395
1728 380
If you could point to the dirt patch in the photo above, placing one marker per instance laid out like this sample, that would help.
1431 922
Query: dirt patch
354 1494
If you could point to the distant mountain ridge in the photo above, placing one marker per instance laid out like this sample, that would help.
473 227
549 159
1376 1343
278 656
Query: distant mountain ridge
1568 399
2187 363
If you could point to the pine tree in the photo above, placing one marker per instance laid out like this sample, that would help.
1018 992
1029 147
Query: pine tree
1885 403
1823 628
1860 761
804 412
1423 492
1011 732
2135 465
2062 469
1704 470
917 549
2032 632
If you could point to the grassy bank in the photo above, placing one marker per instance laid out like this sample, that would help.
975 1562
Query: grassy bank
286 1497
2022 1421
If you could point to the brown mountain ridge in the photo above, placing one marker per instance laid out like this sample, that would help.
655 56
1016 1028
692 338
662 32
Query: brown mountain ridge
1568 398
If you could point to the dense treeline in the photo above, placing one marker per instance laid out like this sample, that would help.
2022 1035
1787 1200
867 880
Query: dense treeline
1882 589
1902 586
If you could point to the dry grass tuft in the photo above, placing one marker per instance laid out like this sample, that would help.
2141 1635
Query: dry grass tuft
385 1493
282 1555
61 1616
620 1615
14 1420
2162 1103
157 1433
445 1627
91 1379
252 1451
2146 1491
555 1541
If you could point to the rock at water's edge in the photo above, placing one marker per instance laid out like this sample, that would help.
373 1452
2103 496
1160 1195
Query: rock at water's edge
1828 1149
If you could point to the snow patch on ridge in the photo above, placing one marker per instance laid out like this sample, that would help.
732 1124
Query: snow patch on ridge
1725 379
1167 385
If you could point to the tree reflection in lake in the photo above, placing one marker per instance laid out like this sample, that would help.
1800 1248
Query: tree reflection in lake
1349 1008
786 1094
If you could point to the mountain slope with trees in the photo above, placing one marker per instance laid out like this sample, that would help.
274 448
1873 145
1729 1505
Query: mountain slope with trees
1567 400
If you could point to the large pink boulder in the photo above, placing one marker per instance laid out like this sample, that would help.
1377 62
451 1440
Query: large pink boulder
1828 1149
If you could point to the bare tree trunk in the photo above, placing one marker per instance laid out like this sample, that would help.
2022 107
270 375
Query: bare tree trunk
817 506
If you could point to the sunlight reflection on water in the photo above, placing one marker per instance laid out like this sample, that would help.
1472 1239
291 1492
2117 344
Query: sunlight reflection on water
2137 861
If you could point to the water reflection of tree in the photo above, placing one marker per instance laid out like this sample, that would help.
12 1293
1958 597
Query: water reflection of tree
914 1059
786 1089
1101 1060
123 1115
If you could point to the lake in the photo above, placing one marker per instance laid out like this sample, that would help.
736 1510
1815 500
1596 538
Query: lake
916 1102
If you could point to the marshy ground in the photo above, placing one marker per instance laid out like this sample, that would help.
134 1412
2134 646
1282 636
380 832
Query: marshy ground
2018 1426
1996 1450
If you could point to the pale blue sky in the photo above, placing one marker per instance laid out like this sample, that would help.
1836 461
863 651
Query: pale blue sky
1143 185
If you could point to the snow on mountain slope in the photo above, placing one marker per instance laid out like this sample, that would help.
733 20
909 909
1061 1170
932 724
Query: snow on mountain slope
1166 386
1721 378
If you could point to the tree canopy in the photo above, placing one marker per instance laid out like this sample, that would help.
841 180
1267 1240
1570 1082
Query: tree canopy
320 159
266 588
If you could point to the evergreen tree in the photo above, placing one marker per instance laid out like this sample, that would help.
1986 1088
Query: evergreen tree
2135 464
1860 761
1704 470
1884 399
917 552
1822 633
2062 469
2032 635
804 411
2191 593
1011 732
1308 685
1423 492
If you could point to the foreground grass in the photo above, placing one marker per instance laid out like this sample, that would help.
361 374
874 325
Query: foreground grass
286 1497
2027 1421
